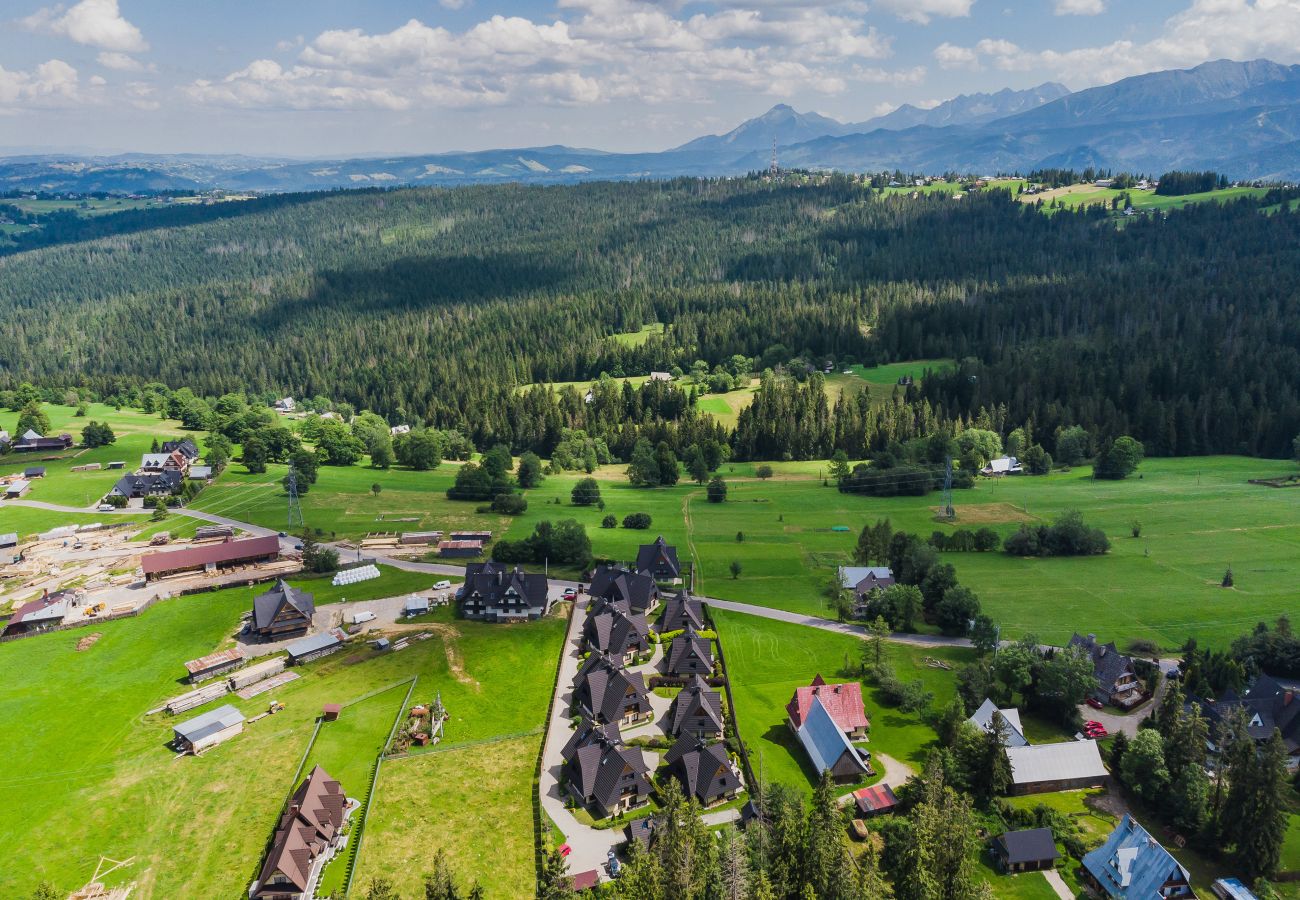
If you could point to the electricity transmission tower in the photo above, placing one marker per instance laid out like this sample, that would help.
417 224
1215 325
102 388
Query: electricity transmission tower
774 170
295 508
945 510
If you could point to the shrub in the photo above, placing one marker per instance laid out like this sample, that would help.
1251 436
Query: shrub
636 520
509 504
717 490
586 492
609 522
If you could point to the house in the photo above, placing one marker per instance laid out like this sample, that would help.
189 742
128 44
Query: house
876 800
162 462
1066 766
1003 465
42 614
862 580
211 557
1132 864
157 484
213 664
284 405
306 836
208 730
697 711
34 472
661 376
31 442
493 592
827 746
604 774
842 701
399 429
618 583
1269 704
616 632
1117 678
415 606
983 720
679 613
658 560
282 612
640 831
15 489
607 692
704 770
1031 850
315 647
689 654
185 447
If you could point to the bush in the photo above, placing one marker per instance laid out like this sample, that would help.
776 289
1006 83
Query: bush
609 522
115 501
636 520
585 493
509 504
763 472
1067 536
717 490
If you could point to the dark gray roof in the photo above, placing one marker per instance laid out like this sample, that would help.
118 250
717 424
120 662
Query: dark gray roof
1269 704
659 555
267 606
618 583
689 654
696 708
187 448
615 632
607 689
679 612
491 581
1108 664
703 769
589 732
1031 845
601 771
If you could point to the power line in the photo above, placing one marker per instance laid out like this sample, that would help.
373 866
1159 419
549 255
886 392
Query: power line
295 508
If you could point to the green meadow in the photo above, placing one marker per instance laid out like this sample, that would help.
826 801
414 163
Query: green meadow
198 826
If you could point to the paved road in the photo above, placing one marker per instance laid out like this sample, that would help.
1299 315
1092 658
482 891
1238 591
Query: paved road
858 631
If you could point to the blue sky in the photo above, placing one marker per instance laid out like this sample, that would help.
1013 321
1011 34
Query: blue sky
329 77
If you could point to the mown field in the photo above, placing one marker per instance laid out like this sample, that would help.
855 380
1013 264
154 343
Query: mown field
197 826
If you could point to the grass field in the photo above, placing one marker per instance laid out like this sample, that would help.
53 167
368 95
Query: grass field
637 338
89 754
767 660
1077 195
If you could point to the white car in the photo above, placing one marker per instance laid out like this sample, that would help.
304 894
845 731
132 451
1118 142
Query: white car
442 585
106 507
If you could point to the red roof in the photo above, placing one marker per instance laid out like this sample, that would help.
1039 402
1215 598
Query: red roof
226 551
212 660
876 798
842 701
584 880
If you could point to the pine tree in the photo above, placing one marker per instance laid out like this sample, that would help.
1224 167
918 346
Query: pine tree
553 883
733 861
1264 821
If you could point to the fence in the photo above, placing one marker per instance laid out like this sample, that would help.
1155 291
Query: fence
752 785
540 832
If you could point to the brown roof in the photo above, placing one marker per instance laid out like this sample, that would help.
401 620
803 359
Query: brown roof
212 660
460 545
308 824
226 551
586 880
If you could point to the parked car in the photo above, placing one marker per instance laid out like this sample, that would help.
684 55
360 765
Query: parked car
570 594
441 585
105 507
1095 703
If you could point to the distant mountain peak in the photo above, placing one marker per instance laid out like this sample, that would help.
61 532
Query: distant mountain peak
968 109
782 123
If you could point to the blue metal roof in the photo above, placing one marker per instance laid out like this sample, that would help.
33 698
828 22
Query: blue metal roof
1132 863
823 740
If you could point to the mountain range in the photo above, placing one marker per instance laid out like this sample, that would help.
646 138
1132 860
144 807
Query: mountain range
1238 118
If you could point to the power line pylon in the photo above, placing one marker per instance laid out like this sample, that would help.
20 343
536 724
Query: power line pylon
946 511
774 170
295 508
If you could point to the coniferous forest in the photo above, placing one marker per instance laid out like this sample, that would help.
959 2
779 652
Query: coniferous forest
1181 329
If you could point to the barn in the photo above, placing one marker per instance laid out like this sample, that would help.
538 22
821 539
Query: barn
208 730
1066 766
227 554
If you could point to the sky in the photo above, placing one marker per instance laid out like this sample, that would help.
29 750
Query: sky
322 78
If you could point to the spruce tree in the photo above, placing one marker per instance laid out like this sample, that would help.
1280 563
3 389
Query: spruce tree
1264 820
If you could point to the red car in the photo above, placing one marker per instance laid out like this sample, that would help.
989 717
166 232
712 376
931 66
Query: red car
1095 703
565 850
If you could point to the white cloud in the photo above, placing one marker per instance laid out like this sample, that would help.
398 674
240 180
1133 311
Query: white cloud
453 4
120 62
950 56
95 23
52 83
1080 7
923 11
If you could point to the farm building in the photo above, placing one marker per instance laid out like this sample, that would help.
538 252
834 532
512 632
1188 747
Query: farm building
208 730
315 647
285 404
659 560
697 711
460 548
307 835
1066 766
607 692
689 654
255 673
617 583
420 537
1031 850
1116 676
983 720
117 464
282 612
213 664
481 536
704 770
679 613
875 800
827 746
42 614
492 592
31 442
1133 864
15 489
34 472
843 702
211 557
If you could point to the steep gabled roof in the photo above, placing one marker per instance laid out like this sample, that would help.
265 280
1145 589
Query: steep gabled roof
308 824
607 689
614 631
493 580
589 732
618 583
660 554
267 606
696 703
1108 664
983 720
703 769
824 740
689 654
842 701
1132 863
679 612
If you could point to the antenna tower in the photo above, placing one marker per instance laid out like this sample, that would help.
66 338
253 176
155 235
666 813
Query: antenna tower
946 511
774 170
295 508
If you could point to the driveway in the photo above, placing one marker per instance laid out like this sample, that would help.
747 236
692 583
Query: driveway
387 610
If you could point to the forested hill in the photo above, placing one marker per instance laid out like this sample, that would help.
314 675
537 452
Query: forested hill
435 304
